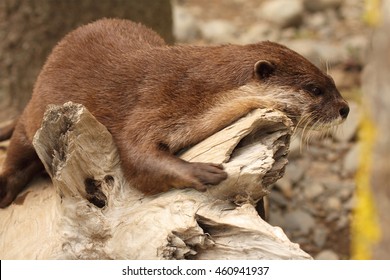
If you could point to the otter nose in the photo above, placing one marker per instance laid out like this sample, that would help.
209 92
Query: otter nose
344 111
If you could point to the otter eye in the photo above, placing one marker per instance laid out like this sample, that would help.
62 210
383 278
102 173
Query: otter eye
315 90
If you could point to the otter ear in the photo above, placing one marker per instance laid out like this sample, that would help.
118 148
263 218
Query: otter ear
264 69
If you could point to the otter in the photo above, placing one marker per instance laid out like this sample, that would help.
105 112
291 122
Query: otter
157 99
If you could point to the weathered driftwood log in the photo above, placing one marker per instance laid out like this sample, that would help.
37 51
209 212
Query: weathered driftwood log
92 213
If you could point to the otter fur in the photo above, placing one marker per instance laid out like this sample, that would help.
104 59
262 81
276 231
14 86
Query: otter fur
157 99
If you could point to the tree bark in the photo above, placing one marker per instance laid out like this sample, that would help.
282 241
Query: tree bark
92 213
30 29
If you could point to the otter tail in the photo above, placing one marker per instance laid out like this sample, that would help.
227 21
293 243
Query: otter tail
7 130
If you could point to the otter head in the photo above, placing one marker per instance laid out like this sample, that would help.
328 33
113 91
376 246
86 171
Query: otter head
298 88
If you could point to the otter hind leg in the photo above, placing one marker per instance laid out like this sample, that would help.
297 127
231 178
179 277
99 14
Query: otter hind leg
20 166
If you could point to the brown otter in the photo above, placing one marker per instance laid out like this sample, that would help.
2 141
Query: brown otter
7 130
156 99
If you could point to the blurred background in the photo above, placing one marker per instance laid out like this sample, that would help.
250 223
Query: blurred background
334 197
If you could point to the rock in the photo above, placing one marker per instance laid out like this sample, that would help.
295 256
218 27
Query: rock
318 5
333 216
350 204
321 53
333 204
288 33
345 80
283 13
313 209
346 191
316 21
294 172
259 32
317 151
312 191
332 186
299 220
276 219
185 28
295 148
333 156
331 52
320 235
218 31
342 222
285 186
277 197
352 13
357 45
326 255
351 160
348 129
305 47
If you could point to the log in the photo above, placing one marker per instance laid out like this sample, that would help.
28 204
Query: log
93 213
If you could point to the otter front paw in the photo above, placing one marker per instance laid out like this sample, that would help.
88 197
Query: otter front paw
207 174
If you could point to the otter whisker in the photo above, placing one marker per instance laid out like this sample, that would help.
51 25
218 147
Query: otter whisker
327 66
300 126
330 131
335 129
310 133
306 130
302 121
325 132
